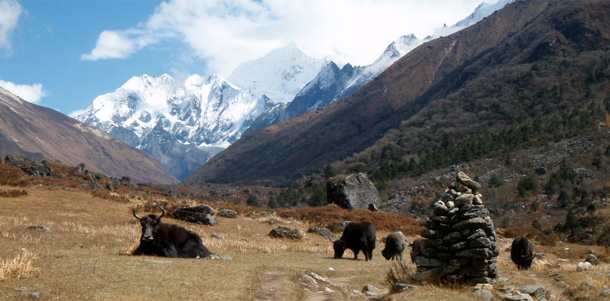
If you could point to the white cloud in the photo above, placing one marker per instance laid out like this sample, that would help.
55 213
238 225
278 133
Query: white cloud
76 113
228 32
111 45
32 93
10 11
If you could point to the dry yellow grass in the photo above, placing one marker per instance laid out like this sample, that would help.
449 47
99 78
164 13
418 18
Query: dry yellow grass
87 256
19 267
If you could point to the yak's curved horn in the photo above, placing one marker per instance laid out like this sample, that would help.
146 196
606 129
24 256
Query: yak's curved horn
162 210
134 213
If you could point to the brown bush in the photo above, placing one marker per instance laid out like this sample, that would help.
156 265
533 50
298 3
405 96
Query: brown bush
400 272
512 232
331 215
108 195
13 176
12 193
549 240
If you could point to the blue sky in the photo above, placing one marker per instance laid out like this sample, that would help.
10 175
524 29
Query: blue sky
63 53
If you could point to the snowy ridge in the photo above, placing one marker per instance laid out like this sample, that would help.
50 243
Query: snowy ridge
482 11
206 111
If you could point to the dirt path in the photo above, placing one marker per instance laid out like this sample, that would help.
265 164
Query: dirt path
272 284
326 292
274 281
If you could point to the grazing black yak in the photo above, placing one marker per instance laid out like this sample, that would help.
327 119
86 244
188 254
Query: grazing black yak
522 253
168 240
357 236
395 244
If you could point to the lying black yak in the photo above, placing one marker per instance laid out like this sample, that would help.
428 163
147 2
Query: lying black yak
160 239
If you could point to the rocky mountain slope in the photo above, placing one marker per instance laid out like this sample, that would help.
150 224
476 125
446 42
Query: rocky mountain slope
520 63
42 133
183 125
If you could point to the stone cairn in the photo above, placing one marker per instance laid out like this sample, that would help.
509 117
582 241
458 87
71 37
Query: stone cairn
459 244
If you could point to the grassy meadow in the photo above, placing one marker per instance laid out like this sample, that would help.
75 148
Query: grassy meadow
86 255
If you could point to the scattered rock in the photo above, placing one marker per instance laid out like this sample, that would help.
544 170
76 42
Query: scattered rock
283 232
35 295
592 259
606 292
483 286
308 280
484 293
262 213
399 287
216 236
584 266
324 232
228 213
40 228
516 297
587 284
220 257
370 290
533 290
373 207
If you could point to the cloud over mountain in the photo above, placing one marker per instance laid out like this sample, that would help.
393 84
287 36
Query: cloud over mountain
225 33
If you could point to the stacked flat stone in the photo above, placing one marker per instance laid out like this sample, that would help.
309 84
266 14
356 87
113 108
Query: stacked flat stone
459 244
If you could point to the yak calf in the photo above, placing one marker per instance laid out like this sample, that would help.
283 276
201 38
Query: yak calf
357 236
395 244
522 253
160 239
417 248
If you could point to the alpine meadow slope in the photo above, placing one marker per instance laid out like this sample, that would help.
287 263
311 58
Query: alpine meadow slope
42 133
507 70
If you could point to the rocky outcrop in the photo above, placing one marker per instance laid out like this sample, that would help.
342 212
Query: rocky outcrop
460 242
283 232
228 213
353 191
200 214
32 167
323 232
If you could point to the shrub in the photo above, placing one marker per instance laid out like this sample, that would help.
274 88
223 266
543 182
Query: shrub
516 231
13 193
330 216
399 272
526 185
18 267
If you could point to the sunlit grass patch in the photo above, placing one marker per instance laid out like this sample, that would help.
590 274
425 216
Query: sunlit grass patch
19 267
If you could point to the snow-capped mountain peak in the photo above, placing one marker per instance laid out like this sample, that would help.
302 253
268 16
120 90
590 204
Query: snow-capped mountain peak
280 75
159 116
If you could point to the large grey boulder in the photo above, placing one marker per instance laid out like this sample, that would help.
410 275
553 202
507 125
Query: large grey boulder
200 214
353 191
